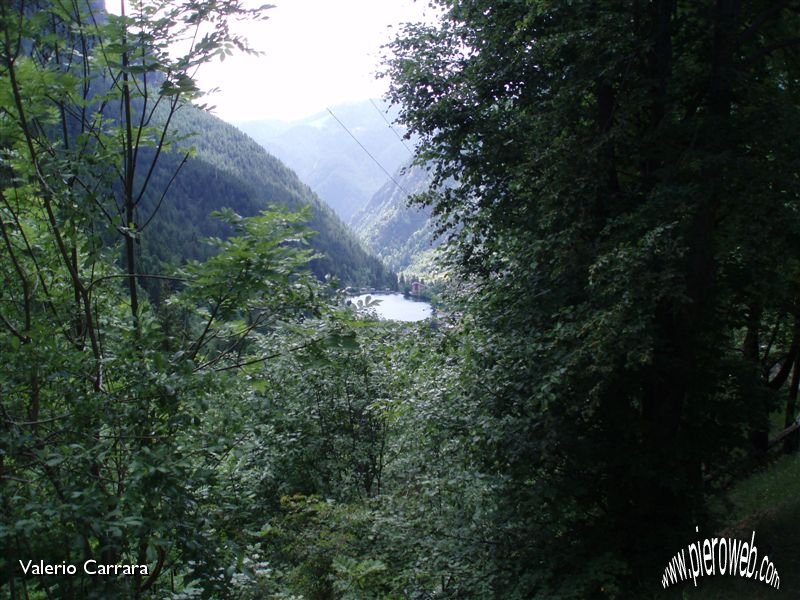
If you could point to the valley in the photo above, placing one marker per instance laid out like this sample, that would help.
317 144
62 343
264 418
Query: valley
526 328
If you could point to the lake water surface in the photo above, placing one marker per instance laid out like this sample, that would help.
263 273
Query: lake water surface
396 307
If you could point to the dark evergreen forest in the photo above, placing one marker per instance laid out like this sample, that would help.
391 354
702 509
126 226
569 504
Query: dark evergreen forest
191 408
228 169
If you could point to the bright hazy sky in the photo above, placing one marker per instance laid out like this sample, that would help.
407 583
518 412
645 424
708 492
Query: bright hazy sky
317 53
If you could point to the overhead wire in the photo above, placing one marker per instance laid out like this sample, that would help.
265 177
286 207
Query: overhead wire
364 148
429 178
399 137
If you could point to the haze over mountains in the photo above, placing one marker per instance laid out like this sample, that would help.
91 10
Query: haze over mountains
328 158
345 173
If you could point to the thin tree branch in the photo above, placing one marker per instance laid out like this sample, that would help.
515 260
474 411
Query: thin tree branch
22 338
749 33
166 189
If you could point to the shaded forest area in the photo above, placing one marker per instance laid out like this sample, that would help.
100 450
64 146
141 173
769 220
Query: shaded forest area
617 184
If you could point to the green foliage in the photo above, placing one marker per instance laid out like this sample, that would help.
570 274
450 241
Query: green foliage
164 434
378 498
117 417
620 324
624 184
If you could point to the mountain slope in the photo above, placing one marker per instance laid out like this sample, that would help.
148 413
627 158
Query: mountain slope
325 156
232 170
397 233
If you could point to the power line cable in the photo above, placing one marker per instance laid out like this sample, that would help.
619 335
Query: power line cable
429 178
399 137
389 175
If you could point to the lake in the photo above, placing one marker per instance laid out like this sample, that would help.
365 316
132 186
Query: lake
396 307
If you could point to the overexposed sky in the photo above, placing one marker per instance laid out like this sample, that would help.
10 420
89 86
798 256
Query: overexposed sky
317 53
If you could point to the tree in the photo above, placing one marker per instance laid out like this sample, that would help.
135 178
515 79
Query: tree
115 414
625 185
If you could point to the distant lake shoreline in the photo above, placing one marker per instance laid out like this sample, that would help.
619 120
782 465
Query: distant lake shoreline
396 307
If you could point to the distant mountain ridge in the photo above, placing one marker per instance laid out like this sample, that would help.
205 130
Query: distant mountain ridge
329 160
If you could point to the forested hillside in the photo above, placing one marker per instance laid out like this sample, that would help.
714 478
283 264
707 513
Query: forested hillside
230 170
326 156
398 233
